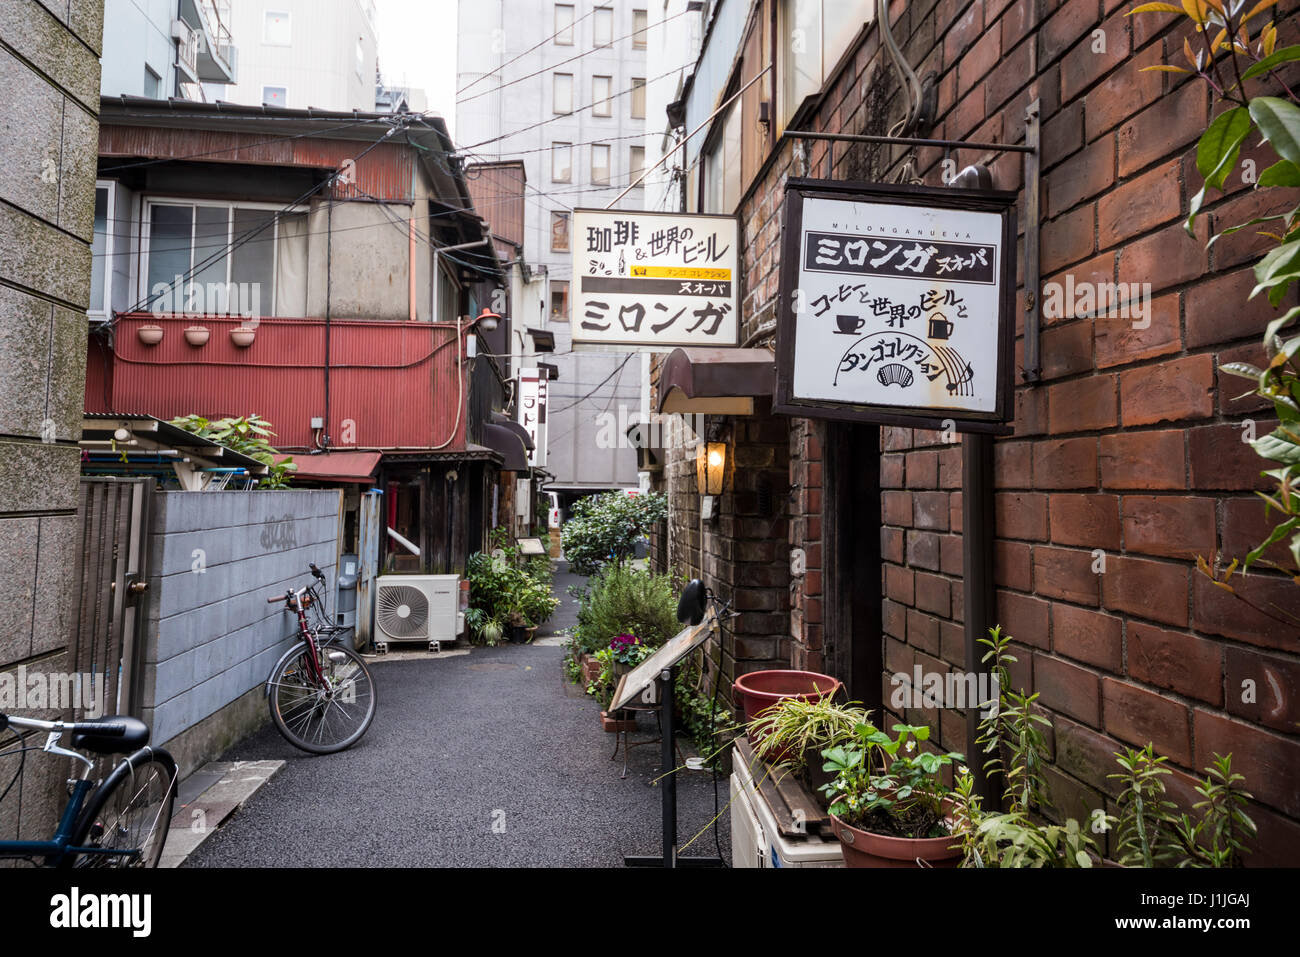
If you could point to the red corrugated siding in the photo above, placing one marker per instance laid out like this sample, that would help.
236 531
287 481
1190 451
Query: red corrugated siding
395 382
385 172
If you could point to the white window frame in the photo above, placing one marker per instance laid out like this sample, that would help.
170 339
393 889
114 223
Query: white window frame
564 35
609 164
555 106
640 37
602 106
283 105
110 217
633 171
632 97
288 20
555 148
596 19
146 227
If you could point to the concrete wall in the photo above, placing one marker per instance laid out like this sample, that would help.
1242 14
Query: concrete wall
211 636
138 34
49 81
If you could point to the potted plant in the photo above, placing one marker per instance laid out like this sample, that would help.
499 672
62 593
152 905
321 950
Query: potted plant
759 691
197 335
150 335
794 733
243 336
888 806
624 653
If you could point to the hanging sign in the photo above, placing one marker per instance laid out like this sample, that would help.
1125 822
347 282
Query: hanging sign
532 412
651 282
896 305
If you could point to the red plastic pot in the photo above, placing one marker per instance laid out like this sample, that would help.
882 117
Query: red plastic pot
758 691
868 849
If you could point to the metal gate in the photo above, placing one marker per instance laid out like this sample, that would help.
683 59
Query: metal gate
111 583
369 522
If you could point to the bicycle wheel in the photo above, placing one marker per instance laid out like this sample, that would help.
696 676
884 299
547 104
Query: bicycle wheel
322 718
129 812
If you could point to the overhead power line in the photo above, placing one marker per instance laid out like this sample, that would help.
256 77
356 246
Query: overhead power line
524 54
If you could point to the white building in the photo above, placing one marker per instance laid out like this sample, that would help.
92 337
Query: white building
562 87
166 48
304 53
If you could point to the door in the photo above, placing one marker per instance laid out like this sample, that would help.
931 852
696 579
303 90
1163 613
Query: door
370 519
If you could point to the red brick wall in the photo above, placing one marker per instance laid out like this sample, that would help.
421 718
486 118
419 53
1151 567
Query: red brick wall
1127 459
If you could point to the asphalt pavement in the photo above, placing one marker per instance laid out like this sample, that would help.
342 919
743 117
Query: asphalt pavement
487 759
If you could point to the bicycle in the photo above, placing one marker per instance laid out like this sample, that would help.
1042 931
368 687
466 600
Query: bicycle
321 695
121 821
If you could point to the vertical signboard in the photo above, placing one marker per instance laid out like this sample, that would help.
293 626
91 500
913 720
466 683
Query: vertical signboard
532 412
896 305
654 281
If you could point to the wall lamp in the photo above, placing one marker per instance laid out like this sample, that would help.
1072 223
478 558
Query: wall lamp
711 467
487 320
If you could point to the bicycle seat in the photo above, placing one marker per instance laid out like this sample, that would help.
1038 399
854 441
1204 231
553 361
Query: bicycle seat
136 736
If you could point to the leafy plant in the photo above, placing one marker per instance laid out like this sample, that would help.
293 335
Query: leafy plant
1011 731
1012 838
247 435
622 599
797 728
605 528
1226 57
887 784
1151 832
505 589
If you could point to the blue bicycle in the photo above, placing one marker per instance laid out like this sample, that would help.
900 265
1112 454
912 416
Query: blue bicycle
121 821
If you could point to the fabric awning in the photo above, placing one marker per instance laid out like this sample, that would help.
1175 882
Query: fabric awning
334 466
512 441
715 381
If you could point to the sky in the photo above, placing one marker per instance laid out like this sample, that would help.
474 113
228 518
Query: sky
417 47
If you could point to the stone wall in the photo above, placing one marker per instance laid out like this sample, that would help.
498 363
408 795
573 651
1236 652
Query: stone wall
49 83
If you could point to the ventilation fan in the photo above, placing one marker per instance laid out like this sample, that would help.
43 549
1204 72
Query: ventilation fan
422 608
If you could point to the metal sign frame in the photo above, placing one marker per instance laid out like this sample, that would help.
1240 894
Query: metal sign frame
999 202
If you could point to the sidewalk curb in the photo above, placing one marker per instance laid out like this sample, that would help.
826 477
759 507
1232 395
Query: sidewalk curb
207 798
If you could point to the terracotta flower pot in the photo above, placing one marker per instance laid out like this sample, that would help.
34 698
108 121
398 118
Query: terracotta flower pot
759 691
614 724
868 849
243 336
197 335
150 335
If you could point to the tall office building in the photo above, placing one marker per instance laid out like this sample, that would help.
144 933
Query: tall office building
168 48
562 87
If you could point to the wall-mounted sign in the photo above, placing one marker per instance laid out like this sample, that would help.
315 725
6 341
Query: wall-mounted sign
896 305
651 282
532 412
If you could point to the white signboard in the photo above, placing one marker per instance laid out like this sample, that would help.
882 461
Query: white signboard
532 412
654 281
896 307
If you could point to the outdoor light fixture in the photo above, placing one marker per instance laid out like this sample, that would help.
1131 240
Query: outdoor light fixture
710 467
487 320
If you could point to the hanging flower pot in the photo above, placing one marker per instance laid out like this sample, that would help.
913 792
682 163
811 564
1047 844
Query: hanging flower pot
197 335
150 335
243 336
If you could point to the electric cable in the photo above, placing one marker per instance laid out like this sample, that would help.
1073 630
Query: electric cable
515 59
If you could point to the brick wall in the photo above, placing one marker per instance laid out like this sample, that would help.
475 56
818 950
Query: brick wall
1127 459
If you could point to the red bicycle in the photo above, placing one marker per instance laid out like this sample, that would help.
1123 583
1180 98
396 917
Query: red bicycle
321 695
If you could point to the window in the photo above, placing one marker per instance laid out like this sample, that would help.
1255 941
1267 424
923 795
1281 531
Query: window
100 262
600 164
152 84
601 88
275 96
559 232
816 34
635 163
639 25
265 275
562 92
638 98
722 166
559 301
563 24
603 27
561 162
275 28
361 58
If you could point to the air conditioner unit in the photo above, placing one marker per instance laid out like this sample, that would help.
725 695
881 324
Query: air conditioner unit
423 608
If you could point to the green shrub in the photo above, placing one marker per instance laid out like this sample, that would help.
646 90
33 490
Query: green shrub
622 600
505 591
605 528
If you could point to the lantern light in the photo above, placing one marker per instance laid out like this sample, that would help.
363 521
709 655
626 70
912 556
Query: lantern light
711 467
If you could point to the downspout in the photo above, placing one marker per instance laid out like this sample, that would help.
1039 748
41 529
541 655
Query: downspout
411 260
324 442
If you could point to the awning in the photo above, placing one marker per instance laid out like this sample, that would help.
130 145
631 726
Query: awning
334 466
715 381
512 441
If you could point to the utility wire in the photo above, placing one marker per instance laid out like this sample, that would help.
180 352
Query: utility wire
579 56
617 369
524 54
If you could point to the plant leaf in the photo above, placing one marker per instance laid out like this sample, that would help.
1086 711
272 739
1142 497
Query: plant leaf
1279 121
1216 153
1154 8
1282 173
1284 55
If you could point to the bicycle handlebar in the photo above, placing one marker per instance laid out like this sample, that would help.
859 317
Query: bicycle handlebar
113 729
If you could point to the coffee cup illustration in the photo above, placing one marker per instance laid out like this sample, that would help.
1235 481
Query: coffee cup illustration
940 328
849 325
